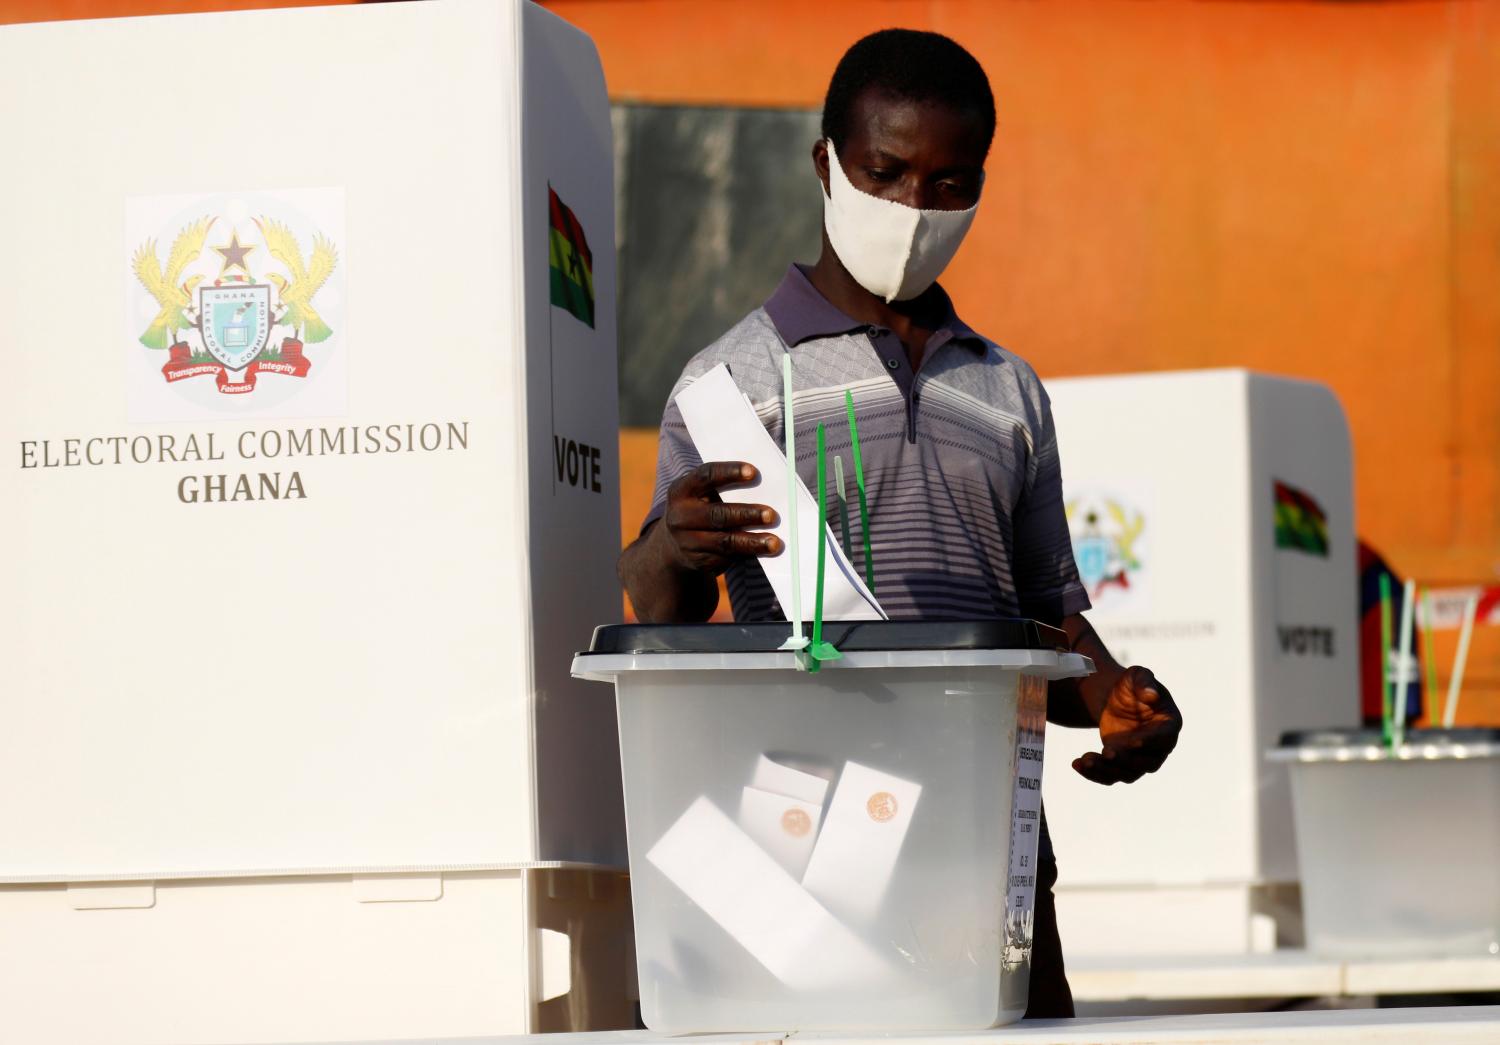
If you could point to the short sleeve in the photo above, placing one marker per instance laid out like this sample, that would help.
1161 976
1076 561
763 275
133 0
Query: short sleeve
744 349
1048 587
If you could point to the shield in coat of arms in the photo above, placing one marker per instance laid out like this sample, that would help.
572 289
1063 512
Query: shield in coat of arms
1093 552
235 322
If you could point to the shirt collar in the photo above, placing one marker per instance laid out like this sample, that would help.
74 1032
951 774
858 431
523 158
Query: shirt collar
800 312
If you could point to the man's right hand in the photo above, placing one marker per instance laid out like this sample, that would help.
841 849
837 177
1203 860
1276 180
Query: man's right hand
704 535
669 571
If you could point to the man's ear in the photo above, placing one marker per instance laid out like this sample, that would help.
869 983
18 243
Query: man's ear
820 163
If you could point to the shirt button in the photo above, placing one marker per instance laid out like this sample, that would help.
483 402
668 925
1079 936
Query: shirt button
894 364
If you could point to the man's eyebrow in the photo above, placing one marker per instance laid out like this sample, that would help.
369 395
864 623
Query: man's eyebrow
879 155
958 168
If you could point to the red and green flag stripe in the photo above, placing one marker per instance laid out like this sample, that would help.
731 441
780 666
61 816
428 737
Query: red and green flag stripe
1300 522
571 264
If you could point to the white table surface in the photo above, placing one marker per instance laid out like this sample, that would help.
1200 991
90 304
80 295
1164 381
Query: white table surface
1474 1025
1280 974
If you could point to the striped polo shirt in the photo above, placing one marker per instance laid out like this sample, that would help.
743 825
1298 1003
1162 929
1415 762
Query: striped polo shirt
960 459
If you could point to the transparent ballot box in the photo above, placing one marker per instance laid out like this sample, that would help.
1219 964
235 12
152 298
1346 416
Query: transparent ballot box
852 847
1399 848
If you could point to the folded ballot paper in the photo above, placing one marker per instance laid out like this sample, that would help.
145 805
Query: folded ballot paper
745 875
863 831
753 898
782 810
724 427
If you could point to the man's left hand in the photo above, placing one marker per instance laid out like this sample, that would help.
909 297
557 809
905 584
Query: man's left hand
1138 726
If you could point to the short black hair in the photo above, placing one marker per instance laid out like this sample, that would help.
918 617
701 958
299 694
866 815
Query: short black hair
911 65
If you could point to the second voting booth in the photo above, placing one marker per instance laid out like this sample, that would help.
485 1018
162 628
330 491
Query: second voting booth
311 415
1212 516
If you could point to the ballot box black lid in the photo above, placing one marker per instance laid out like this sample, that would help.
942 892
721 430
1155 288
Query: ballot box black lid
863 636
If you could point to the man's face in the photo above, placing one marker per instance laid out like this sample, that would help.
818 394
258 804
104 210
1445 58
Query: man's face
924 155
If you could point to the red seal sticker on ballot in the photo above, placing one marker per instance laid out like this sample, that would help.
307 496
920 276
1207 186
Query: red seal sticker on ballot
882 806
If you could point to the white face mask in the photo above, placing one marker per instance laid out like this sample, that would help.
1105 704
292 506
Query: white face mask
892 250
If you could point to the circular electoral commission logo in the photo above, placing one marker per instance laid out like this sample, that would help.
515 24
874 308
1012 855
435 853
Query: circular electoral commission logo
237 295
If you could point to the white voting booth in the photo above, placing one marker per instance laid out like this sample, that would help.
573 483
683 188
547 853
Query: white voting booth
1196 501
311 416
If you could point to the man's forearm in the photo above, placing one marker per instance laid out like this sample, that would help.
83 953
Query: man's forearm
1080 702
662 590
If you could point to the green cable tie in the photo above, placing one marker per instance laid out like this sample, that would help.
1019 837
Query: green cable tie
820 651
859 479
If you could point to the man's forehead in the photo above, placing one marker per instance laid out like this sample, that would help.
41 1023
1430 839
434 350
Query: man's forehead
899 126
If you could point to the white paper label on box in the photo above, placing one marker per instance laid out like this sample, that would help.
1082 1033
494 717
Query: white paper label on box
857 849
755 901
786 828
1026 817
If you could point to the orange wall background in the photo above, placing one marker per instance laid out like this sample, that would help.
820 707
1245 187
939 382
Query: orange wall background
1309 189
57 10
1303 188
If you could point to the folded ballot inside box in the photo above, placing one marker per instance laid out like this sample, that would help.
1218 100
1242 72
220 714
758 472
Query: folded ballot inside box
753 899
833 850
782 809
855 857
745 876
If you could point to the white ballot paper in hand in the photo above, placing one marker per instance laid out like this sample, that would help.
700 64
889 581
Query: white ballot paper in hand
724 427
856 852
767 912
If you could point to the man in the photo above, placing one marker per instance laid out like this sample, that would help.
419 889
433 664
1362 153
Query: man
956 434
